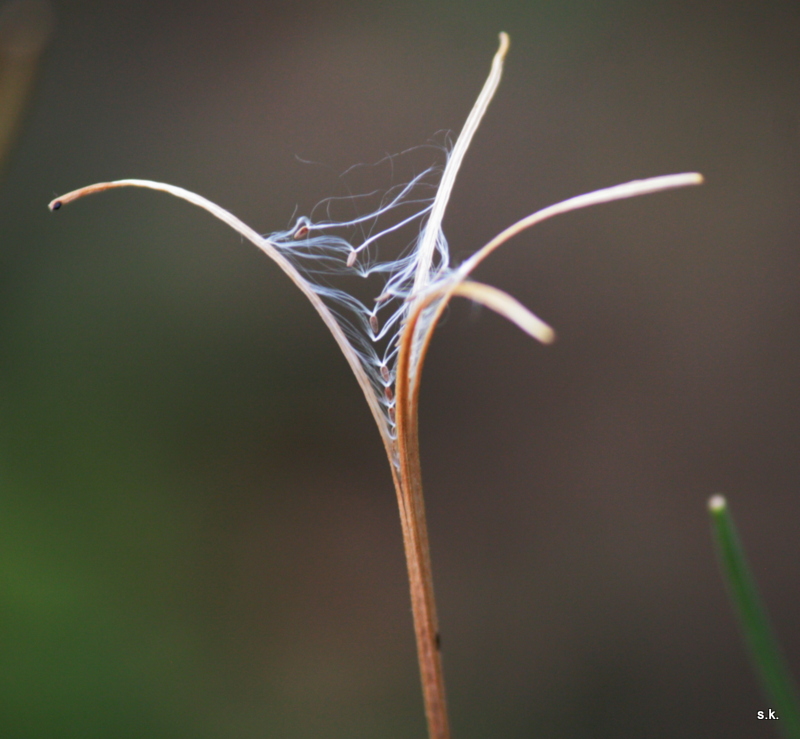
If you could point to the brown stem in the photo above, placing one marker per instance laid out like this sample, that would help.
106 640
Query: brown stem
408 482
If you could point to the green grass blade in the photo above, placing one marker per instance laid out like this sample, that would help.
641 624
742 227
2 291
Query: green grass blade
764 651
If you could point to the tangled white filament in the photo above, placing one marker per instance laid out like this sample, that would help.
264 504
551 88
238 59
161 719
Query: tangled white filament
317 252
326 249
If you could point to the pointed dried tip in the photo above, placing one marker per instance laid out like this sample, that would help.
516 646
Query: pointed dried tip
505 42
547 335
508 307
351 258
56 203
717 503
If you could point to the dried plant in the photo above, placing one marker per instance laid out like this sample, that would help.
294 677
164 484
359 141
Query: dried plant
385 344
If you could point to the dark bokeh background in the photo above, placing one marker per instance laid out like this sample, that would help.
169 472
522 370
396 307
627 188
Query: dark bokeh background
198 535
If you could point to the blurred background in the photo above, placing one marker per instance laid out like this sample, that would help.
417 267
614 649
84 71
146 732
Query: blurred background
198 531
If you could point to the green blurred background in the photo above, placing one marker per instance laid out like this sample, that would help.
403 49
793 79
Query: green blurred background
198 534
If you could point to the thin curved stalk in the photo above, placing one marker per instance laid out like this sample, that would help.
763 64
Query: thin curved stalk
631 189
765 652
426 624
433 228
269 249
444 292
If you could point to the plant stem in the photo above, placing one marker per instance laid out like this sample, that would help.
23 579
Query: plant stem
764 650
423 606
408 483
